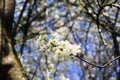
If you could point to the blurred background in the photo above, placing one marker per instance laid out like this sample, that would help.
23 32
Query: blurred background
93 24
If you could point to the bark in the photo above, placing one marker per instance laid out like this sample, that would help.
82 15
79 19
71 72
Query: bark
10 66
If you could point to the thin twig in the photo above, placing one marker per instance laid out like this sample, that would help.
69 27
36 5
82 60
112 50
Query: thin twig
58 61
98 26
93 64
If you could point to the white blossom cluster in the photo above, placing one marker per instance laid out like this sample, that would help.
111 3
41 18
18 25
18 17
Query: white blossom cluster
58 46
66 48
63 47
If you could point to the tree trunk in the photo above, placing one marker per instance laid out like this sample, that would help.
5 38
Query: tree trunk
10 66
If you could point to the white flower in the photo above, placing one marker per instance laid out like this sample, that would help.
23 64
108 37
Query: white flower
75 49
65 48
